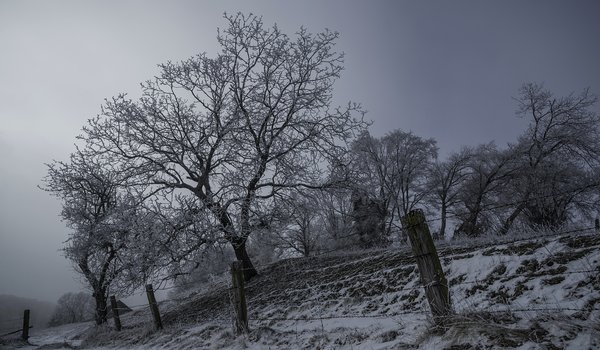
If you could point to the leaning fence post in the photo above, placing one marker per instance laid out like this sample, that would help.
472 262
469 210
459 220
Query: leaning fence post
25 334
239 298
428 262
115 312
153 306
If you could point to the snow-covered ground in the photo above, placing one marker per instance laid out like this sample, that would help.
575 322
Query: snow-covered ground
61 337
541 293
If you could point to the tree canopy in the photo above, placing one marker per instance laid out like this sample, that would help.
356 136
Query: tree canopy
236 130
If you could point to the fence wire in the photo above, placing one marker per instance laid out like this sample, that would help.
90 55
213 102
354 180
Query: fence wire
445 250
10 333
483 208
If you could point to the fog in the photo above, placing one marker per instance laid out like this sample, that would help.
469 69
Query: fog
446 70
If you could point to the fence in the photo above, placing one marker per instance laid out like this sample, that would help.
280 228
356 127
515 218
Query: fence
24 329
425 260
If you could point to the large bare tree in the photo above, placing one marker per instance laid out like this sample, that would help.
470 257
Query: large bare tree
236 129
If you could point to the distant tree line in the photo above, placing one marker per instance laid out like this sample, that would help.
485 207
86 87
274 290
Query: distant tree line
546 179
243 156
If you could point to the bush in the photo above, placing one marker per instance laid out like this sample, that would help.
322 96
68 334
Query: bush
71 308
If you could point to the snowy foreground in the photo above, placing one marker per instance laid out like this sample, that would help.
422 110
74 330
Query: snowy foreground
62 337
542 293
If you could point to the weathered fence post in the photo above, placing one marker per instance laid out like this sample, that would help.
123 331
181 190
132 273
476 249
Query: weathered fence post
25 334
115 311
428 262
153 306
240 323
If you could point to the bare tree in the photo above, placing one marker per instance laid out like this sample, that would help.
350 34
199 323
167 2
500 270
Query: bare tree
411 158
237 129
309 222
71 308
333 218
490 169
336 209
372 178
395 170
99 218
563 127
171 237
301 231
446 179
562 189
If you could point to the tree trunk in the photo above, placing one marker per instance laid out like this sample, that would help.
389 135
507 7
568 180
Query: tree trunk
442 232
511 219
469 225
239 247
101 307
238 243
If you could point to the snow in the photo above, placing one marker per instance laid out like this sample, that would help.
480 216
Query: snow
55 337
527 294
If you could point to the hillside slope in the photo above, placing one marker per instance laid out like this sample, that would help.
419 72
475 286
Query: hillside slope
539 293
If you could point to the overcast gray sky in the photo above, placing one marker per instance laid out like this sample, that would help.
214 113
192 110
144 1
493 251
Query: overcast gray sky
443 69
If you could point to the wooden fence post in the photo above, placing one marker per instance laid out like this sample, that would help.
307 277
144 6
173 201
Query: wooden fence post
25 334
428 262
239 298
153 306
115 311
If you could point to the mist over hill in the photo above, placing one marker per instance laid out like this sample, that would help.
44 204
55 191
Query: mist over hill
11 312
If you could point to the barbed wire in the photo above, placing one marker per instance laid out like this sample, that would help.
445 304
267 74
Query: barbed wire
422 312
444 251
130 307
547 309
443 248
537 274
515 240
414 312
333 317
507 310
4 335
449 245
483 208
14 332
481 282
